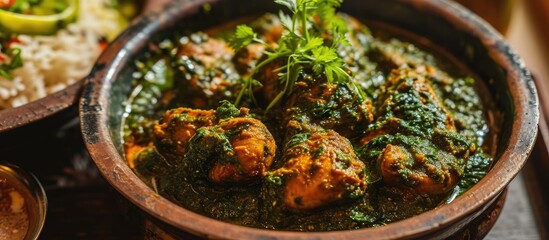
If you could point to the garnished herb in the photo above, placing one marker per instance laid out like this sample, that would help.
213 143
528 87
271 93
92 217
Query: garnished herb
362 217
10 58
276 180
227 111
303 47
243 36
297 139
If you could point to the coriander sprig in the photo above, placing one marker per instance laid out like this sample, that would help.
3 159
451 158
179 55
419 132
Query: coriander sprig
302 46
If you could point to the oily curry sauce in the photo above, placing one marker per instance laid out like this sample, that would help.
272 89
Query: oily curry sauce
324 158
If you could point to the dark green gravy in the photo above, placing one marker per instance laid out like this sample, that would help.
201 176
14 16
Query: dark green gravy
423 104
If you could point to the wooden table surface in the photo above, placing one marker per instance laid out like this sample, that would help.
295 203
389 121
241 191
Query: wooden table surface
81 205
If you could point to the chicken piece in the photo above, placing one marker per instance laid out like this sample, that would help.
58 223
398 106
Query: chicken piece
207 71
321 169
413 141
329 106
237 150
401 169
254 147
222 145
412 164
396 54
208 51
409 106
470 118
178 126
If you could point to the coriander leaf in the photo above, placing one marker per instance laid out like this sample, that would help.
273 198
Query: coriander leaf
226 110
312 44
339 37
327 62
286 21
15 54
326 13
290 42
243 36
338 25
329 72
297 139
291 4
318 68
324 54
335 73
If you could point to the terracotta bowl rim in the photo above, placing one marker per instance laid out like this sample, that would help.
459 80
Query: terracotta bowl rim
93 117
42 108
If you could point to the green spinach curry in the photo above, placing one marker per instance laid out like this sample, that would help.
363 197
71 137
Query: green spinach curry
304 122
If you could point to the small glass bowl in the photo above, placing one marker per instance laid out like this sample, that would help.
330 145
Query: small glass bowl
30 189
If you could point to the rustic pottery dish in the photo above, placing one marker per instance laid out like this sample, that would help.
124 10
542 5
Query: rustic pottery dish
452 28
50 112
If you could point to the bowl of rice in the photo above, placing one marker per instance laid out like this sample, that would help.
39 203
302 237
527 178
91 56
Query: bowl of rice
41 73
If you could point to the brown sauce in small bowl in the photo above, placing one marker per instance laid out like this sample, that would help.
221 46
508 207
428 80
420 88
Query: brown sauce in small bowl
13 212
22 204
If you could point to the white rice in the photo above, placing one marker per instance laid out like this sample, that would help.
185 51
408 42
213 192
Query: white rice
50 63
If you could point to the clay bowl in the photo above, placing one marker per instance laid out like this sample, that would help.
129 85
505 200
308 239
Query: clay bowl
446 24
44 115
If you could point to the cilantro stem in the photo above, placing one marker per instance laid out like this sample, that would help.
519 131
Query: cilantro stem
247 85
304 21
